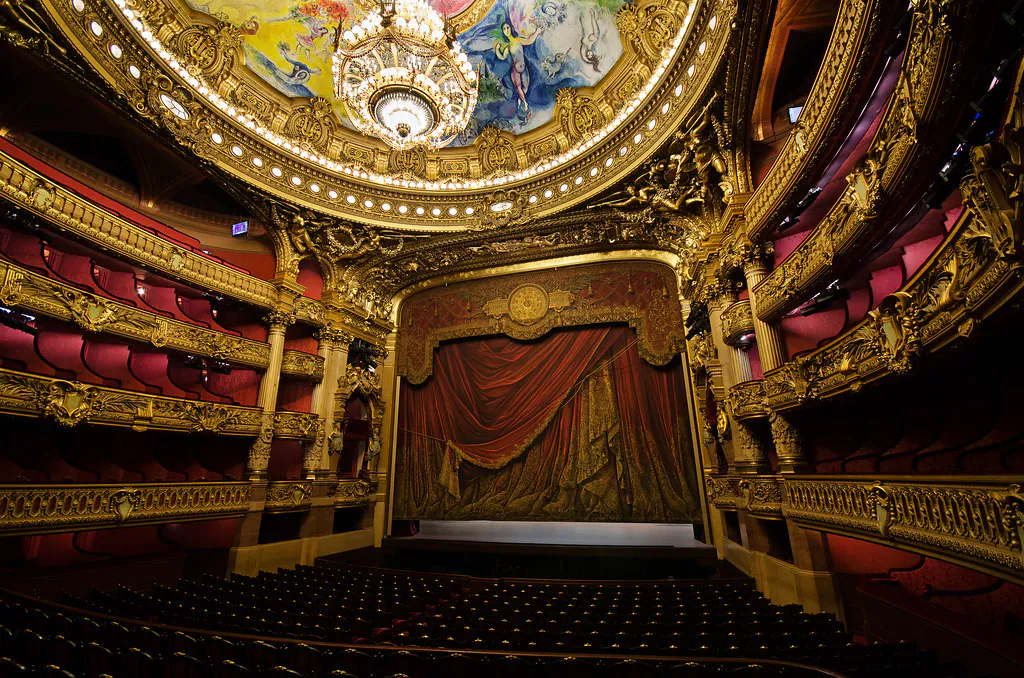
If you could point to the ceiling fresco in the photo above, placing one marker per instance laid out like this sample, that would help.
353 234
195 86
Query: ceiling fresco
576 94
525 50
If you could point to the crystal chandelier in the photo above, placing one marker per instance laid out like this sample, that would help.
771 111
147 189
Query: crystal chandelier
403 77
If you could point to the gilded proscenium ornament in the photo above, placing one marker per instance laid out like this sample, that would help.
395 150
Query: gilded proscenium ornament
692 177
642 294
23 288
77 216
252 113
528 303
72 403
923 104
853 49
365 384
38 509
757 495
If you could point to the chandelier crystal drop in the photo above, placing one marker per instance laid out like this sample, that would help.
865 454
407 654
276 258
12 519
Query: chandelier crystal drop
403 77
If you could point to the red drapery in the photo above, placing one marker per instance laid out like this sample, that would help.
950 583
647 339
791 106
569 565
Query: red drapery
574 426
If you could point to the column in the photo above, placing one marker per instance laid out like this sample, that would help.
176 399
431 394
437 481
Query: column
386 367
259 453
789 444
748 452
334 344
769 339
741 363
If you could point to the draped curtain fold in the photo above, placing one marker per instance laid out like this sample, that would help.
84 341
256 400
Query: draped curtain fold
575 426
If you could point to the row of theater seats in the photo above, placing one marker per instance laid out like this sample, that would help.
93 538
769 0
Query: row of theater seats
36 640
367 606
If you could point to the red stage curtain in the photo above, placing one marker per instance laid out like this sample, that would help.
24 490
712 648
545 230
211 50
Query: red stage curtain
572 427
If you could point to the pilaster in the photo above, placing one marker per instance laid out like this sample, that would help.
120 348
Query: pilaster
769 340
334 345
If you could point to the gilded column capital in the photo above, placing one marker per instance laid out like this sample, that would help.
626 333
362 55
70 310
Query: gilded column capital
719 290
280 319
333 336
754 257
789 444
380 352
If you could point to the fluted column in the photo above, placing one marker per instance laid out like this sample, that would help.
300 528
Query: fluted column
386 366
333 348
259 453
748 453
769 340
741 365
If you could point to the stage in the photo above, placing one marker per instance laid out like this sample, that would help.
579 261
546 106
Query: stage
557 533
548 550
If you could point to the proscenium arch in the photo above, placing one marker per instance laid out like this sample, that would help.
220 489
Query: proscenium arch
391 386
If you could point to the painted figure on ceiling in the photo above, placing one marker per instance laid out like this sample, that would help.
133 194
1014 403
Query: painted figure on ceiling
527 50
510 47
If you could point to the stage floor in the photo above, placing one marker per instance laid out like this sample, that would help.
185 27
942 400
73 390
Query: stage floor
557 533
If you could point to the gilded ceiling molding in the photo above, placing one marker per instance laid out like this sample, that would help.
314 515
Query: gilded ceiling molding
528 305
974 273
77 216
852 53
904 149
737 322
290 149
582 235
70 403
976 522
40 509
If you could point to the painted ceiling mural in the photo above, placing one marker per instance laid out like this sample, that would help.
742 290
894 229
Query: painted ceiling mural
525 50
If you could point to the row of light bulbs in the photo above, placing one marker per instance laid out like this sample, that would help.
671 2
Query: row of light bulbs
269 135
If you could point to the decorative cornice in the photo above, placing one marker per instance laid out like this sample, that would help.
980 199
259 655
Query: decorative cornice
295 425
38 509
23 288
307 365
975 522
916 123
852 52
77 216
737 322
975 272
70 403
287 496
354 492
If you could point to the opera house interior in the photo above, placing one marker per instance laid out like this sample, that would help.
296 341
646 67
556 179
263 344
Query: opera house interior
575 338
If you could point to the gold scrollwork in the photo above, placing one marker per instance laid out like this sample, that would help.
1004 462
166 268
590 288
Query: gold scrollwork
37 509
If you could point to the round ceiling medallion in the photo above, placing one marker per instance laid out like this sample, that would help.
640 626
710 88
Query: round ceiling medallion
528 303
